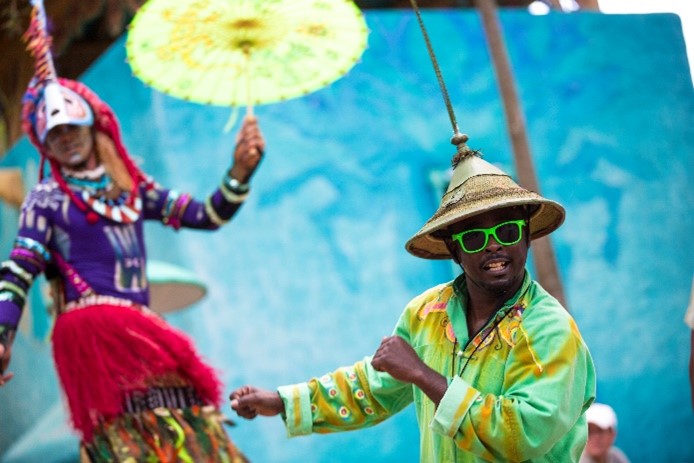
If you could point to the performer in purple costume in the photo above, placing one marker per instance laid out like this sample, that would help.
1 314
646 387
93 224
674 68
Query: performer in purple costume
136 388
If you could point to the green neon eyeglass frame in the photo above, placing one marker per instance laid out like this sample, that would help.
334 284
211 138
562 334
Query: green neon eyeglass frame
508 236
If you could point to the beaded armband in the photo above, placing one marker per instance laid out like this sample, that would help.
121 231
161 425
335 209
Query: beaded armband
233 190
174 208
14 298
11 267
7 287
30 250
212 214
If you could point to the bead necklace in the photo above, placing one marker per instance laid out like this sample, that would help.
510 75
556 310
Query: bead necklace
94 186
91 174
93 179
118 209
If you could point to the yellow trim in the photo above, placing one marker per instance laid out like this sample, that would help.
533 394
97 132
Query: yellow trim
212 214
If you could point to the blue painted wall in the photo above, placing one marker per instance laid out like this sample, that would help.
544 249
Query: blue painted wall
313 271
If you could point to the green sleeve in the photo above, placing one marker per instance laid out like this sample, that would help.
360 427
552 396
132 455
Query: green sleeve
349 398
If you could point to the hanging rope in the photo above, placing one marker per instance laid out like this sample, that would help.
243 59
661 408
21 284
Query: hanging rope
458 139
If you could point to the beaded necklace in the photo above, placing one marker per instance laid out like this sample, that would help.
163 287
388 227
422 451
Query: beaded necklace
89 174
89 184
94 186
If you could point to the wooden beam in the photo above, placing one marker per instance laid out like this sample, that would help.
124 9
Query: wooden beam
543 253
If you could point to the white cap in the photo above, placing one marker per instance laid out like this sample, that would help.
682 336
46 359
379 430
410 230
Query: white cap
689 314
60 105
602 416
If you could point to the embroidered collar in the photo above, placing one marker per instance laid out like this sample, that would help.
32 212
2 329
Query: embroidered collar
123 209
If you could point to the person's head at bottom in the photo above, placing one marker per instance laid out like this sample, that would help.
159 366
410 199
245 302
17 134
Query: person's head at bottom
602 430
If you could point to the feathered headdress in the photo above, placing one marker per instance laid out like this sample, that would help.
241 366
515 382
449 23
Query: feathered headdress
56 104
50 101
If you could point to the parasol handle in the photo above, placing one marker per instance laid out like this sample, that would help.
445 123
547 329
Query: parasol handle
249 101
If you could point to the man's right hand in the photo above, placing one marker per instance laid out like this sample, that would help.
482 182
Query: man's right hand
5 355
249 150
249 402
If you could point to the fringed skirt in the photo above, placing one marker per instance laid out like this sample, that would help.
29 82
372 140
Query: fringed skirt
190 435
110 358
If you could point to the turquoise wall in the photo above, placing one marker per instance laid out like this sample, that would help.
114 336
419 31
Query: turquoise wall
313 271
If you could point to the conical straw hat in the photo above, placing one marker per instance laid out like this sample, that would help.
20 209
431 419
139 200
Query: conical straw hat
477 187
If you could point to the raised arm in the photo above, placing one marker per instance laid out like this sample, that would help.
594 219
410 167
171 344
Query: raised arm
182 210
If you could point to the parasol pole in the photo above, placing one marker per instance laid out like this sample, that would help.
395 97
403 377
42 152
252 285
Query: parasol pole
545 261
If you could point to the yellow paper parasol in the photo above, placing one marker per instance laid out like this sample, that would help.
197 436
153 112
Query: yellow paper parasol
244 52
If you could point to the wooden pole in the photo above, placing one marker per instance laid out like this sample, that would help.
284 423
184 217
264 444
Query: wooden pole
543 253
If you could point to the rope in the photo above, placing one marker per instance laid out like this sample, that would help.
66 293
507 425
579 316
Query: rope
458 139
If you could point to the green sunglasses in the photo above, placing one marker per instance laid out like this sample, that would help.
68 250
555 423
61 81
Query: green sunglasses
476 239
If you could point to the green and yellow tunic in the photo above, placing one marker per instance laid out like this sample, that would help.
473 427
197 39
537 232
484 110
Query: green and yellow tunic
517 390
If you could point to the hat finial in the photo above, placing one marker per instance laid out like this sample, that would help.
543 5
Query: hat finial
463 151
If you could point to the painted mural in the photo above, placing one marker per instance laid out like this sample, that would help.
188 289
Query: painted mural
313 272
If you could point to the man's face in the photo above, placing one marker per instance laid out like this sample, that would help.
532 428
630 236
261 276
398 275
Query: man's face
71 145
599 440
496 268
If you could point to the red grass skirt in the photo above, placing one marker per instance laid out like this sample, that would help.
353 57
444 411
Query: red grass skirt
103 351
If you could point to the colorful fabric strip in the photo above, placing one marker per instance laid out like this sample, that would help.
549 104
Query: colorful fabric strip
182 204
11 296
96 184
7 286
30 257
169 203
232 197
17 271
192 434
174 208
166 397
72 276
234 185
99 299
34 246
126 212
213 215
